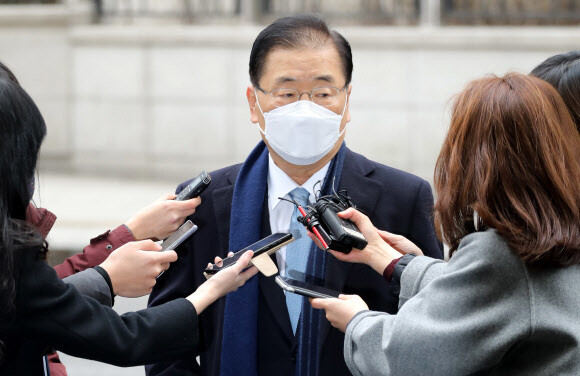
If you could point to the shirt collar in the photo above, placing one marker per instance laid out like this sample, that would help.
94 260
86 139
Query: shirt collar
280 184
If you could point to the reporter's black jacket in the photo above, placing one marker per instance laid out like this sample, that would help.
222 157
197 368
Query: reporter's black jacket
48 313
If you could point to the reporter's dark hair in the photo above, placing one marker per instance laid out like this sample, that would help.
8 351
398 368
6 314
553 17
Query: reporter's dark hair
295 32
22 130
512 153
563 72
7 73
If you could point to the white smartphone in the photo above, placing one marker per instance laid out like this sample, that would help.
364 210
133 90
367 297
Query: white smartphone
178 237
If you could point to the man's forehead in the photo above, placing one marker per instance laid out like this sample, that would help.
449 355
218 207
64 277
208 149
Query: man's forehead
304 64
301 76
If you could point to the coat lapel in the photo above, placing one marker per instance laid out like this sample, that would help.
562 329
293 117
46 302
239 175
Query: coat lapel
364 192
222 205
276 302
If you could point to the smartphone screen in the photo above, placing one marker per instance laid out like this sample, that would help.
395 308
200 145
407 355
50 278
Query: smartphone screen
259 247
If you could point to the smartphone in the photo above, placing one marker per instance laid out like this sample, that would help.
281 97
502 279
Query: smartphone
268 245
305 289
178 237
195 187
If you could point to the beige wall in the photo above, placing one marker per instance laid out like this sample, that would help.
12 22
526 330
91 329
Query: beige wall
169 100
174 96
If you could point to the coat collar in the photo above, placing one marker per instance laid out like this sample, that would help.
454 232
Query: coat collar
42 219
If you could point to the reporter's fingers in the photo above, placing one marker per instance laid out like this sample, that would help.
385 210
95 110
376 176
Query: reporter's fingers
168 196
218 261
354 215
243 261
319 303
347 214
244 276
178 210
362 221
188 206
315 240
167 256
400 243
147 245
390 237
165 266
339 255
230 254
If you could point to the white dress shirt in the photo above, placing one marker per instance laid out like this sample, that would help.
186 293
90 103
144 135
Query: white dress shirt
279 185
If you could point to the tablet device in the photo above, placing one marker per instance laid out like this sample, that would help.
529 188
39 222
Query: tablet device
305 289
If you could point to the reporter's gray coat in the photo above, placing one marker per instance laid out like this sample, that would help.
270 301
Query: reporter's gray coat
483 312
90 283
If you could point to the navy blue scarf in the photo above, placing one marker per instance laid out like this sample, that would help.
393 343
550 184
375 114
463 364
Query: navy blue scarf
240 329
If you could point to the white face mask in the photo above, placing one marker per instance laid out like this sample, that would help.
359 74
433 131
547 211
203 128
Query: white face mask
302 132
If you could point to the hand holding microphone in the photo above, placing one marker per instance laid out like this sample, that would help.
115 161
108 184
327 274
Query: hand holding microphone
378 254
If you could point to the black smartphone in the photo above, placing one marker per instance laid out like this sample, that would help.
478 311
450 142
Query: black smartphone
267 245
195 187
305 289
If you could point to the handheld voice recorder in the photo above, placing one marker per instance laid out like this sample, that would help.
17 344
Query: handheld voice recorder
195 187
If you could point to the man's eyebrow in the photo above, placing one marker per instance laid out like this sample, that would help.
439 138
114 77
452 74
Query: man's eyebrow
284 79
328 78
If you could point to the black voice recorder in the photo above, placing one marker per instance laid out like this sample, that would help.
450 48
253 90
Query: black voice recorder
195 187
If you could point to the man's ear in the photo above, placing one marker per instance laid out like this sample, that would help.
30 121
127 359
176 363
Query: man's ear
251 95
347 110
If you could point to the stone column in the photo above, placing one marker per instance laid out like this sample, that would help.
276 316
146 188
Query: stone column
430 13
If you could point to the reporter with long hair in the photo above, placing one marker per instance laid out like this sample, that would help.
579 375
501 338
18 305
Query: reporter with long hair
38 311
508 206
108 266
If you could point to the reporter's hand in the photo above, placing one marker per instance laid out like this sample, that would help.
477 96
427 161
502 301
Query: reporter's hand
340 311
161 218
134 267
223 282
400 243
378 254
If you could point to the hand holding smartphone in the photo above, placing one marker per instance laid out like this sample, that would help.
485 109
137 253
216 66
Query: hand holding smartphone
305 289
262 251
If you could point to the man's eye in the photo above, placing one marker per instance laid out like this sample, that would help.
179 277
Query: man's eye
285 94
